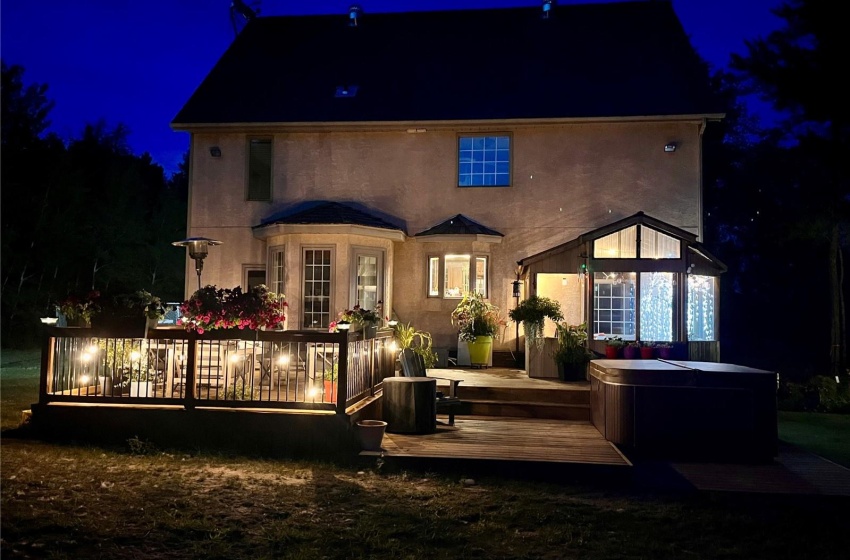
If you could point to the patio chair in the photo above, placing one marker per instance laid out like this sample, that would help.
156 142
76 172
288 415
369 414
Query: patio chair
413 365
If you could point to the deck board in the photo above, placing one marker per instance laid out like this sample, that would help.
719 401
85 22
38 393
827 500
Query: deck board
507 439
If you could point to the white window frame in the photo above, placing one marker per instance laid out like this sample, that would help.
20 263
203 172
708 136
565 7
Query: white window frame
330 298
440 261
247 268
462 160
356 253
276 284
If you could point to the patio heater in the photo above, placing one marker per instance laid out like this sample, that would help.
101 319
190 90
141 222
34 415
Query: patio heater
198 248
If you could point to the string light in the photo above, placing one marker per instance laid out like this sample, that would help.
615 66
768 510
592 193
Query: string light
701 305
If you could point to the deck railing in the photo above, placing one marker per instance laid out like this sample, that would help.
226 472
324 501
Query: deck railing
231 368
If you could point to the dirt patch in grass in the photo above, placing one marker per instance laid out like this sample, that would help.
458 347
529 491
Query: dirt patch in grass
69 501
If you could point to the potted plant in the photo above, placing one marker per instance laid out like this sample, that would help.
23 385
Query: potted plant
140 375
418 341
532 313
631 351
647 350
571 354
79 309
613 346
359 318
665 350
129 315
478 322
329 382
227 308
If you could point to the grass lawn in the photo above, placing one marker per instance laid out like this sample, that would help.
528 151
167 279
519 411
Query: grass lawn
827 435
83 501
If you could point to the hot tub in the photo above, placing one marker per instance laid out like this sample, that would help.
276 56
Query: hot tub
685 410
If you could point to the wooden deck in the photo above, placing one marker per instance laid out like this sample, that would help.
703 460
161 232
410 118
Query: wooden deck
507 439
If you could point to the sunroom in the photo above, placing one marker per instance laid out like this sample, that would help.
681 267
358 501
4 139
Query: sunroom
639 279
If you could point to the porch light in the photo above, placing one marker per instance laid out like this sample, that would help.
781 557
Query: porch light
517 284
670 147
198 249
283 360
392 322
49 320
343 325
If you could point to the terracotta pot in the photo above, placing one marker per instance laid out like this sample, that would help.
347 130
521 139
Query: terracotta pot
371 434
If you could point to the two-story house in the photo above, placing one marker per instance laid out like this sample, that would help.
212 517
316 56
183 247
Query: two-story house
409 158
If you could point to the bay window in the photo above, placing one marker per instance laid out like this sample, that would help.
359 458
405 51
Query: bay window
453 275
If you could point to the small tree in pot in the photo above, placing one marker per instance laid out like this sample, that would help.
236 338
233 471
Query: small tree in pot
532 313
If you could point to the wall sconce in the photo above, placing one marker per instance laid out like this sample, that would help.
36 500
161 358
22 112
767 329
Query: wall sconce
215 151
516 286
343 325
670 147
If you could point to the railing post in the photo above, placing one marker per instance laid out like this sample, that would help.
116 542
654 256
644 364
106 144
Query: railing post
191 364
342 372
46 366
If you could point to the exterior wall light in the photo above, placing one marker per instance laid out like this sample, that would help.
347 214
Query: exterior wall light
670 147
215 151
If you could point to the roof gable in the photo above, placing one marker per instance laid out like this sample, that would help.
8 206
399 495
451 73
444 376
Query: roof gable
428 66
459 225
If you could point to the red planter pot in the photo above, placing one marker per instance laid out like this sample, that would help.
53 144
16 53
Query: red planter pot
647 352
612 352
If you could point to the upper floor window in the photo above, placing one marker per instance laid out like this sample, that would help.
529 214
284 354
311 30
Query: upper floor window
259 169
484 161
452 276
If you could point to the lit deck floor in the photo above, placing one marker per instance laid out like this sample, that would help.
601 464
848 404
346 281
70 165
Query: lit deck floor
507 439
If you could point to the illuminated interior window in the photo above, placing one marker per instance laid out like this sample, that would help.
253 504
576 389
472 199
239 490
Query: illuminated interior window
481 275
275 271
702 299
433 276
614 305
657 245
618 245
456 281
656 306
317 288
459 275
366 281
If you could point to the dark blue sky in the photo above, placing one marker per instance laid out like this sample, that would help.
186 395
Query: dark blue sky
137 62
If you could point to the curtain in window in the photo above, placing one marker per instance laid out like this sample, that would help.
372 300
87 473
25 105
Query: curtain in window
618 245
657 245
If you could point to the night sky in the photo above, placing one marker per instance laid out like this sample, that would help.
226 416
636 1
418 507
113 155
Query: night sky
137 62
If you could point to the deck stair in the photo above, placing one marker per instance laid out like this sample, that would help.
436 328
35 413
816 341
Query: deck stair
566 402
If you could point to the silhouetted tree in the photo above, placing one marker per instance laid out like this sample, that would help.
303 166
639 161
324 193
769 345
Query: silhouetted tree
798 69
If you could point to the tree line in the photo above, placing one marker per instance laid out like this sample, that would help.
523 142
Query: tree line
79 215
86 213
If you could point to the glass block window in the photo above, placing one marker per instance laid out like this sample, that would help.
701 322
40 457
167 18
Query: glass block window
657 245
259 169
614 305
484 161
656 306
618 245
317 288
702 302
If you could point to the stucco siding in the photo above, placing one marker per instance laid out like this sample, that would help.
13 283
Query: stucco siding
567 179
